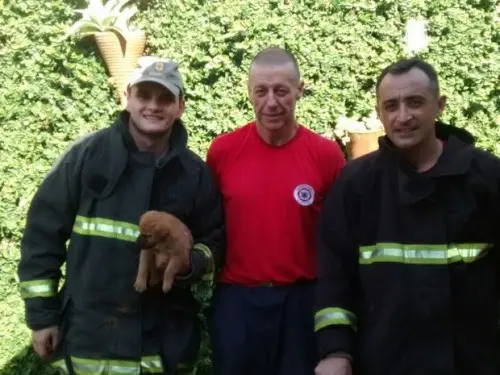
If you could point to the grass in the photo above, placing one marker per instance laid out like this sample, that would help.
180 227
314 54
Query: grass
16 355
26 362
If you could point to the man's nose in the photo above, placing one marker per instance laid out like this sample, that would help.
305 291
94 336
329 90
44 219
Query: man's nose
271 100
403 114
154 103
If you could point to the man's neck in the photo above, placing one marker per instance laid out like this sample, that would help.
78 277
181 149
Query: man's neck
156 145
279 137
425 156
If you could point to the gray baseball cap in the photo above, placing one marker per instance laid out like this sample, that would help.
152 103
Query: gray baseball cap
162 71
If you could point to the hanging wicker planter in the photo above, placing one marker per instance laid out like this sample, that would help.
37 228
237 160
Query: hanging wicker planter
120 55
120 43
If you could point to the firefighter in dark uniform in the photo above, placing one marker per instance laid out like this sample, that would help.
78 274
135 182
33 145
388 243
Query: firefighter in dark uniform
93 198
409 259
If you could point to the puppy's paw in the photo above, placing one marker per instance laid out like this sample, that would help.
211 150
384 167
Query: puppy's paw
168 282
140 285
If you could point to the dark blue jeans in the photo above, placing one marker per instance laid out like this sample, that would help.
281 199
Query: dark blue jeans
263 330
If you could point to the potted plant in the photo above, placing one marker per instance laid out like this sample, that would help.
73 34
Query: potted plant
359 136
119 42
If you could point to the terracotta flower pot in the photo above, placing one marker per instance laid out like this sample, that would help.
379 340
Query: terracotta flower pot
362 143
120 55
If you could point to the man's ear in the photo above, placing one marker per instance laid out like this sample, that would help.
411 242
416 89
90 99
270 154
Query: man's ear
300 93
182 107
126 95
249 93
441 105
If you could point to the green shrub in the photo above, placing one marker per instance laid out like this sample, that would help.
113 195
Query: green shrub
52 91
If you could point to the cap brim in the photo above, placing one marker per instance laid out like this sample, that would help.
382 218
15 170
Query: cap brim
169 86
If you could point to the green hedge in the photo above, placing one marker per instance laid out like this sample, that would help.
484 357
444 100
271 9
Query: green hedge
51 92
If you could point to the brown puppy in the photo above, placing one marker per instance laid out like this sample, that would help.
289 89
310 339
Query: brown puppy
165 243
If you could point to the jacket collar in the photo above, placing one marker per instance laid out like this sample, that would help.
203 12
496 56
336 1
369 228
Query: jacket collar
455 160
109 161
456 156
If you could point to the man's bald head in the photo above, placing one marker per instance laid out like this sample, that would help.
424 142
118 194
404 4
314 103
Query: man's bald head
275 56
274 86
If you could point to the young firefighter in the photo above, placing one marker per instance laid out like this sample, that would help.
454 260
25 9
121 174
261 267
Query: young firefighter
94 196
273 173
408 257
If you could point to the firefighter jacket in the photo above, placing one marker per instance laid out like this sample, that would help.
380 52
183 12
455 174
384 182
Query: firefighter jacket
92 199
408 262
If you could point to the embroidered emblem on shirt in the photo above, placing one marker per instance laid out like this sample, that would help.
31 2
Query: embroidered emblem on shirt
304 194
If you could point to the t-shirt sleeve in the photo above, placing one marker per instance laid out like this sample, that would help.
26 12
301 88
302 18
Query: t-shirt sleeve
213 157
333 161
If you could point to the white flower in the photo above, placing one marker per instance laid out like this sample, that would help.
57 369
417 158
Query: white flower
416 37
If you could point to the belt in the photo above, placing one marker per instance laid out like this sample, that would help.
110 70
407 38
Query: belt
273 284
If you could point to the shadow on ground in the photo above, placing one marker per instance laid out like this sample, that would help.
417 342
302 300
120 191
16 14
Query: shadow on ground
26 362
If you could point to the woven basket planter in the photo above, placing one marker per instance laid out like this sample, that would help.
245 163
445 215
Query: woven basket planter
361 143
120 55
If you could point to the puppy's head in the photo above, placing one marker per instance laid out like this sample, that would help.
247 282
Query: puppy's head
146 241
154 229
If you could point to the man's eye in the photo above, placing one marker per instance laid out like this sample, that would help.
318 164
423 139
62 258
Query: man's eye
167 99
415 103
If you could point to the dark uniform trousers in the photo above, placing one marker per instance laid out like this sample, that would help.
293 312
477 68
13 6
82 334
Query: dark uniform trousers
263 330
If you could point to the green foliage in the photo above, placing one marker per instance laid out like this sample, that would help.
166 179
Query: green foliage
53 92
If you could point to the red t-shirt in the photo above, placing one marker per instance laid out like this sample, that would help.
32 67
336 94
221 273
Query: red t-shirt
272 197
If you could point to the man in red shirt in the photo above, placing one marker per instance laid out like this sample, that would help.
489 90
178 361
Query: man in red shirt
273 173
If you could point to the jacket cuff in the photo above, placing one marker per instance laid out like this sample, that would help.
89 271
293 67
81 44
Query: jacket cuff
335 341
42 303
195 264
42 312
200 266
340 355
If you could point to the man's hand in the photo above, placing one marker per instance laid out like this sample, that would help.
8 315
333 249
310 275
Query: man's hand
45 341
334 366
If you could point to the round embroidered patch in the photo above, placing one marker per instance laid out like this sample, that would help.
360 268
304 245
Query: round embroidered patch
304 194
